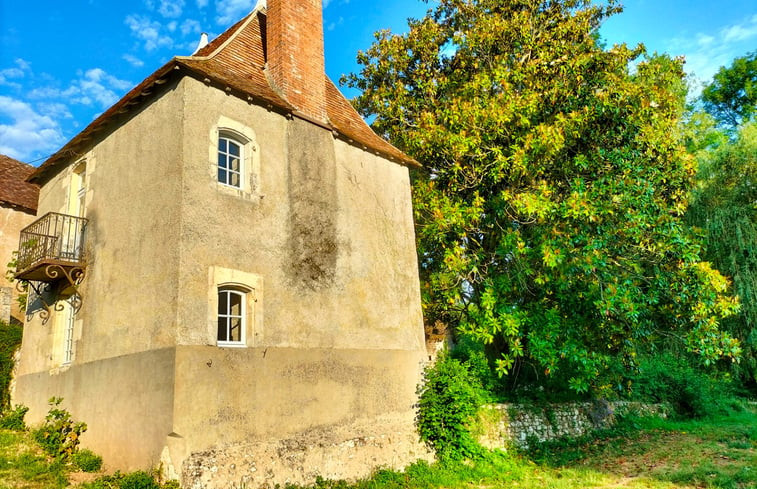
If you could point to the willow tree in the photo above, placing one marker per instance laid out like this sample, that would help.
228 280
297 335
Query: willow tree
725 207
549 209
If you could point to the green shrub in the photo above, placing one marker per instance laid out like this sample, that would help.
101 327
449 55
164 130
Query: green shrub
673 379
449 398
10 339
59 436
131 480
14 418
87 460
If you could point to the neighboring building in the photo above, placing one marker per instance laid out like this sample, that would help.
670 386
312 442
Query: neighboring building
18 206
225 271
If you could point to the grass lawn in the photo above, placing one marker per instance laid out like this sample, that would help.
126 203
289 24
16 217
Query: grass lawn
720 452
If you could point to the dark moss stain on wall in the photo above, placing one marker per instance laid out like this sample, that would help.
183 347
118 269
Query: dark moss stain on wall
313 206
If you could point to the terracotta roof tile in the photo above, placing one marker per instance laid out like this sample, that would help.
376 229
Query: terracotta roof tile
14 189
236 59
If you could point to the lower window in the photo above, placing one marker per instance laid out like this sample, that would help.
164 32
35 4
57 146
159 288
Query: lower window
231 316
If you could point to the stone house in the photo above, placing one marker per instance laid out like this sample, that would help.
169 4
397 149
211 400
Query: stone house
18 206
224 273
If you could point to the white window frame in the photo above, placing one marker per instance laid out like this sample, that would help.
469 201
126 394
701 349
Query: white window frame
226 156
249 187
68 331
227 316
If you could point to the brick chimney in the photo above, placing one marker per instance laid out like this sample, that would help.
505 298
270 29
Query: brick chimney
295 54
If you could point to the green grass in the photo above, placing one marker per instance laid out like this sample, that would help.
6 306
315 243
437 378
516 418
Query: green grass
718 452
24 465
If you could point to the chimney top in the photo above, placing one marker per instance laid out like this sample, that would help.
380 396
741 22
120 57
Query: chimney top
203 42
295 54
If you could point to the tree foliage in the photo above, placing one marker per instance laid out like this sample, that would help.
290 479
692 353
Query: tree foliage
549 210
732 96
725 207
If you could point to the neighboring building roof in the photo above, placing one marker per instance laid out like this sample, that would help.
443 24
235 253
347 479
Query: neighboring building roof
14 189
236 61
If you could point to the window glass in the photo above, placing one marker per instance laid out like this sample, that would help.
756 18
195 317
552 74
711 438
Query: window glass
231 311
229 162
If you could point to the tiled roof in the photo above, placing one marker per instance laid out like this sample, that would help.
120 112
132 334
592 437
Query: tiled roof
14 189
236 60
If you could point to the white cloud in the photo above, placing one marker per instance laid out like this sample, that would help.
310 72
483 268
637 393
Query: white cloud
232 10
55 110
202 3
741 32
133 60
333 25
94 85
171 26
14 72
705 53
190 26
23 64
149 31
26 133
171 8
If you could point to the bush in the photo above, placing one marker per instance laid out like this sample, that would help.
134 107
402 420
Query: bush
87 460
10 339
14 419
449 398
673 379
59 436
132 480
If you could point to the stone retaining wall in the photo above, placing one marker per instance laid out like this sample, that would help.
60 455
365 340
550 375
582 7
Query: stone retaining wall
507 425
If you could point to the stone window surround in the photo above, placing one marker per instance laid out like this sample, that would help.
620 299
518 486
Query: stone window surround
252 285
250 185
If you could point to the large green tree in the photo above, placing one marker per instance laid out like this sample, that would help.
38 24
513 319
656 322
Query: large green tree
732 96
549 209
725 207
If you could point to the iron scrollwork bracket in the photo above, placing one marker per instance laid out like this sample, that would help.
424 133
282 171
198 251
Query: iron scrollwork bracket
73 277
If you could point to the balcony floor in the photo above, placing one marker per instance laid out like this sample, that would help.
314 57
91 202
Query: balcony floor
38 271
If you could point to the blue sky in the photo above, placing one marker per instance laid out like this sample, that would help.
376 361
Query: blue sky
64 63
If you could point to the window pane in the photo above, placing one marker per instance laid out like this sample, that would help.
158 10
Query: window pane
222 175
222 145
236 304
223 302
233 148
236 329
234 177
234 164
223 334
222 160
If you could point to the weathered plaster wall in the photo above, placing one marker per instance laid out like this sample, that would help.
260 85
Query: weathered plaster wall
279 414
329 228
126 401
322 231
132 203
335 349
12 221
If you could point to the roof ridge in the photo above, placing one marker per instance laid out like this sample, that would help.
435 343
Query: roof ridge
235 29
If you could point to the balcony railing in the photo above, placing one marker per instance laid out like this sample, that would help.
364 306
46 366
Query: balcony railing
52 240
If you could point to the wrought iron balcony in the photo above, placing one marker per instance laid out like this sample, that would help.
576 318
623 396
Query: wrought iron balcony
52 248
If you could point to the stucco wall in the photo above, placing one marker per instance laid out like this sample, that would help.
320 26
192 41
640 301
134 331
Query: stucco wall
323 233
12 220
132 203
330 229
273 415
127 403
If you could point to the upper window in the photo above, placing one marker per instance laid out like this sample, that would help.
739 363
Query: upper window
230 160
231 316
